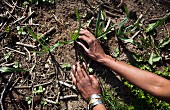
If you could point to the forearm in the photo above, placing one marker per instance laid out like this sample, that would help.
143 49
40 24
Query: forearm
145 80
99 107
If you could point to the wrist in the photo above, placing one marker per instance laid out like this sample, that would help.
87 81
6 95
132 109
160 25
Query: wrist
104 58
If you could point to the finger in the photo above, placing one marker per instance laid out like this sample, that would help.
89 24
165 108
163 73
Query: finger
85 72
73 78
87 33
85 38
93 80
75 73
79 71
84 47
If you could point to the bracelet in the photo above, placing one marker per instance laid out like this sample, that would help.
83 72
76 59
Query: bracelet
90 106
95 99
95 96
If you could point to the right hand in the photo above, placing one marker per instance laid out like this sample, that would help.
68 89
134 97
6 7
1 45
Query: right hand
95 51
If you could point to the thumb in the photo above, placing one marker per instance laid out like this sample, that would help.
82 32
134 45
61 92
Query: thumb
93 80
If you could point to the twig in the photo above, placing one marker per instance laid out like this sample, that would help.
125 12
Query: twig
2 94
29 55
7 4
28 17
28 87
57 20
26 45
68 96
30 24
19 19
50 101
88 3
15 50
58 96
67 85
135 34
30 20
51 29
108 23
111 14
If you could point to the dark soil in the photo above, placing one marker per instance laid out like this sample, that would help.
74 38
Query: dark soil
45 69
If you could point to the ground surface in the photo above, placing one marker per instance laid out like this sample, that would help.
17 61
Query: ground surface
44 68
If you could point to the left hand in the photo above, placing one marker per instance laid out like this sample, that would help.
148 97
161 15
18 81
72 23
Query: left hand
85 83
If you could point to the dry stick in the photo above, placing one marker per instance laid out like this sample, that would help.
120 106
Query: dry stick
57 20
28 87
135 34
7 4
13 8
30 20
2 94
88 3
29 55
111 14
58 96
68 96
51 29
19 19
30 24
50 101
28 17
15 50
32 80
68 85
26 45
108 23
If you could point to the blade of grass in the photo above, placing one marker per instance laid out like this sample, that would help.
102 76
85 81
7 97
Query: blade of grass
59 44
98 22
36 38
10 70
152 26
78 18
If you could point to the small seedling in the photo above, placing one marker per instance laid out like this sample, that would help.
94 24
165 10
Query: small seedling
28 99
21 31
38 91
7 56
101 30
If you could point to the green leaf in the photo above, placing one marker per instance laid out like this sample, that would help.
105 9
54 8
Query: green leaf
151 59
78 18
8 69
98 22
164 42
59 44
156 58
36 38
127 40
106 32
152 26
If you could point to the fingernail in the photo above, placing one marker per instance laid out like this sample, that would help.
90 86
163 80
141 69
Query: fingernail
81 29
76 31
73 66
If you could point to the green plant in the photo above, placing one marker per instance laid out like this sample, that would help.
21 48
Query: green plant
111 102
21 31
28 99
10 70
102 29
38 91
7 56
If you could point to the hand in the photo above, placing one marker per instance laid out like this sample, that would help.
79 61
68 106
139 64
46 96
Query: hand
95 50
86 84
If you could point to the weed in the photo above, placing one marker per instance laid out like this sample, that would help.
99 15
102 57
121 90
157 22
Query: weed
10 70
101 30
28 99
